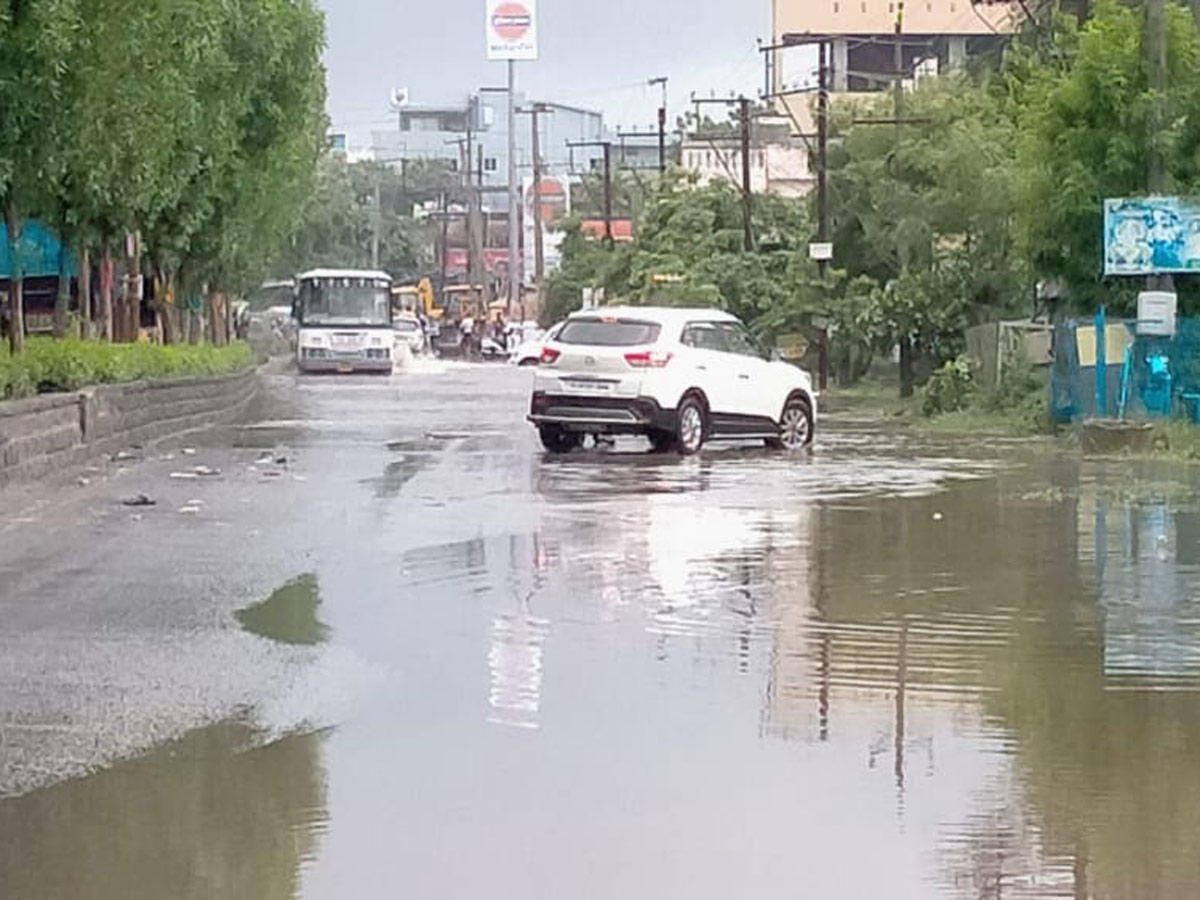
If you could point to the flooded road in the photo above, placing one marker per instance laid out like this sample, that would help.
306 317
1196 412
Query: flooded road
393 650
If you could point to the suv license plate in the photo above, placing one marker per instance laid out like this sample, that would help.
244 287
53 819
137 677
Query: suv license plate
588 387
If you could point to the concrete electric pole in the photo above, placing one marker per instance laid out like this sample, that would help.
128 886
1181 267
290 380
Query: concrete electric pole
661 81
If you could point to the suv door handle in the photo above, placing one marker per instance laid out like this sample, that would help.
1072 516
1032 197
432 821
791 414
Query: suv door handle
743 377
701 368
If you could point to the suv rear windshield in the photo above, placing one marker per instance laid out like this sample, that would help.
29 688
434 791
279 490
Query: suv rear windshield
609 332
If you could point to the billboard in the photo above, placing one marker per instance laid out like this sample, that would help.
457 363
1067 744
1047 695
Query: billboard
1151 236
512 29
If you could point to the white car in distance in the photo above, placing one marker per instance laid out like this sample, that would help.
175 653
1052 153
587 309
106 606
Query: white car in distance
529 351
680 377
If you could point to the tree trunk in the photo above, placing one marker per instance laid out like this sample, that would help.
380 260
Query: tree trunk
107 276
62 303
135 289
210 316
85 293
219 318
16 292
170 310
62 300
906 367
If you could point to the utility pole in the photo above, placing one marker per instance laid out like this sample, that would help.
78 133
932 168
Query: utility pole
608 185
662 124
823 190
608 195
376 221
514 248
747 196
479 228
1156 63
898 60
445 261
906 348
539 246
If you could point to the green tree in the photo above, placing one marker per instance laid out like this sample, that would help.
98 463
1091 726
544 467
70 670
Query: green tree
928 214
37 40
1086 114
339 217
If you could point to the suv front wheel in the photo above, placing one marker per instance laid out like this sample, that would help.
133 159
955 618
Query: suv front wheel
795 426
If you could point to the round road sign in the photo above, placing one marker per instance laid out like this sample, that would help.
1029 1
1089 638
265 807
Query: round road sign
511 21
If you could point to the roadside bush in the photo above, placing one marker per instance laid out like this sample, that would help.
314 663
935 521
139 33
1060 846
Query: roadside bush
950 389
50 365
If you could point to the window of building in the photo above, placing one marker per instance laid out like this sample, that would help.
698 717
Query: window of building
489 164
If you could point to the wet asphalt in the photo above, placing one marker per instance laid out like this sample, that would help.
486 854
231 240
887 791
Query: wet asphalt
373 642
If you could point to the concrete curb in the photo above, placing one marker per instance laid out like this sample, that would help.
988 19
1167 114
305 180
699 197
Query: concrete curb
45 437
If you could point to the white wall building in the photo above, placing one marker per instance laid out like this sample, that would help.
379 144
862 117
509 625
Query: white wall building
779 161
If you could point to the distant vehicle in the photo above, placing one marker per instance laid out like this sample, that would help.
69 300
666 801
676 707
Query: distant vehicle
681 377
271 295
459 303
345 321
408 331
529 351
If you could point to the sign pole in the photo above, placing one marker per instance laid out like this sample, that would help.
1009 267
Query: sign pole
514 267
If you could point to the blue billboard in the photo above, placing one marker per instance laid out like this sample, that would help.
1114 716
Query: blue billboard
1151 236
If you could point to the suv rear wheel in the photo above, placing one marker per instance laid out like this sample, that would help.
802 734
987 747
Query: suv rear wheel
558 440
795 426
691 425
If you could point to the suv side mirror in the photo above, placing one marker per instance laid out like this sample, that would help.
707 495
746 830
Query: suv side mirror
775 355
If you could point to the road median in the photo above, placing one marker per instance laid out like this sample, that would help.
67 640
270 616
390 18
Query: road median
43 437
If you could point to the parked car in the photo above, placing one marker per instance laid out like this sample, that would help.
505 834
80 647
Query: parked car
529 351
409 331
680 377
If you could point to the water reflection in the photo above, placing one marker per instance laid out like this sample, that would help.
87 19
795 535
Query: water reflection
289 615
965 647
1147 576
209 816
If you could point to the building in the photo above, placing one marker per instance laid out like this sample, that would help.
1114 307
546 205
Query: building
442 132
861 35
568 142
779 160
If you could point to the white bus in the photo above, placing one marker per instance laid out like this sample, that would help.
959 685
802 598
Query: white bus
344 318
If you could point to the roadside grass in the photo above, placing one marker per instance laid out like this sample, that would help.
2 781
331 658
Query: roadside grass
51 365
1014 410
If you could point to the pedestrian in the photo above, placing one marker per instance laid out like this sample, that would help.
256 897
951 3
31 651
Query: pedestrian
467 328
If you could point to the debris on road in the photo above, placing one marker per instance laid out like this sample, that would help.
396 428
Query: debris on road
138 500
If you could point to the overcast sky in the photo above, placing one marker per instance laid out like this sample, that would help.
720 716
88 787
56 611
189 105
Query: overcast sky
594 53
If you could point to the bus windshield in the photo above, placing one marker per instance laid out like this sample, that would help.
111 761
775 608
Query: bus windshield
345 302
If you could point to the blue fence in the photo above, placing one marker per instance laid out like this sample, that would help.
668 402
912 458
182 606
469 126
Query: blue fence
1123 374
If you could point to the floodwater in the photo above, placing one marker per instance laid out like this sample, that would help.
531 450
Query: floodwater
898 668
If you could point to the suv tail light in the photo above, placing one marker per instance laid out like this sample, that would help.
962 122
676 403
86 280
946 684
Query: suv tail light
549 356
648 360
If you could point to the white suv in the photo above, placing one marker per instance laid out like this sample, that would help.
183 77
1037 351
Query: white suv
678 376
